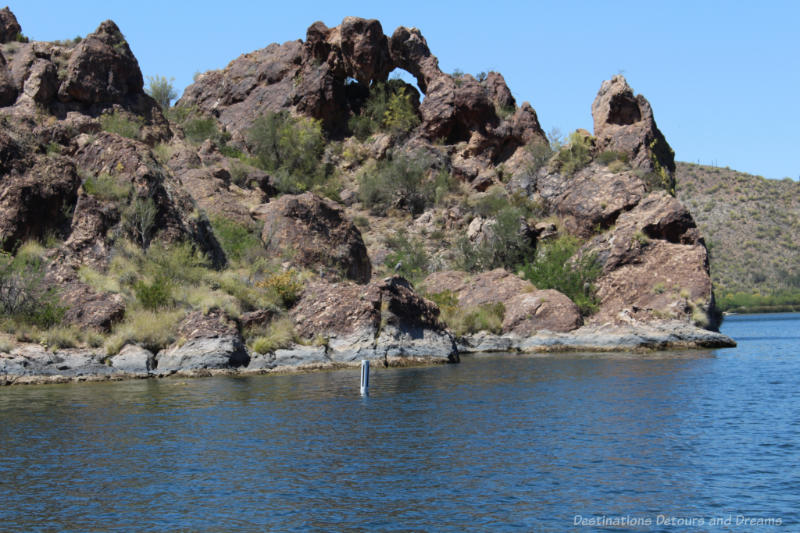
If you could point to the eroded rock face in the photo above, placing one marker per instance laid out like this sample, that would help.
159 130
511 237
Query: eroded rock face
9 27
529 313
527 310
311 78
212 342
8 90
592 199
34 195
624 123
382 319
314 233
655 266
102 68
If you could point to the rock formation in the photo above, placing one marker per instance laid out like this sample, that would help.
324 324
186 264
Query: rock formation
314 233
90 166
624 123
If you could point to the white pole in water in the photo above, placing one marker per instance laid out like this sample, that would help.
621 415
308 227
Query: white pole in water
364 377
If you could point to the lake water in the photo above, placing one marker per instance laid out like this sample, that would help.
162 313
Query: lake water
497 443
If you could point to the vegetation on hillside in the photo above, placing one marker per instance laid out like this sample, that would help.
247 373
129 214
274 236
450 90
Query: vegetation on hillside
752 230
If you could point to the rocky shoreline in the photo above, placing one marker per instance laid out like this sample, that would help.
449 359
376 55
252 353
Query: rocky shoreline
32 364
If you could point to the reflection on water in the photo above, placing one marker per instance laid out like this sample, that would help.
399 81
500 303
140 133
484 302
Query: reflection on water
495 443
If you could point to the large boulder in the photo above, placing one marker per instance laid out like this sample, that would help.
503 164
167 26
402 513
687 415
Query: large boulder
527 310
655 266
314 233
592 199
9 27
102 68
208 341
624 123
35 194
377 321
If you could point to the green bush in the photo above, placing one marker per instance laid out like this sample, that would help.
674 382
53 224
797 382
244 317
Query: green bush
408 257
575 155
238 241
466 320
388 108
199 129
24 295
291 149
399 181
555 268
154 295
609 156
279 334
161 90
122 124
139 219
286 286
108 188
505 245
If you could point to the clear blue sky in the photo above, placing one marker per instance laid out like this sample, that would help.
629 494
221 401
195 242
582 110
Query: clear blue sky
722 77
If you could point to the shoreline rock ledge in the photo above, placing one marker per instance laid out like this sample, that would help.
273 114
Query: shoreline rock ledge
396 345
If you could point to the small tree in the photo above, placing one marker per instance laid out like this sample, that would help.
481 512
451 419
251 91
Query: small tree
161 90
140 219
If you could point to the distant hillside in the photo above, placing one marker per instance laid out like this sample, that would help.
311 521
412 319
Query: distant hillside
752 229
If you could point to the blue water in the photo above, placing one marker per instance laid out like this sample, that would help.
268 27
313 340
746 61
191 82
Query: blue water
497 443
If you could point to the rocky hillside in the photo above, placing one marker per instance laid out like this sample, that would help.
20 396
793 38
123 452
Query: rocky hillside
752 226
304 206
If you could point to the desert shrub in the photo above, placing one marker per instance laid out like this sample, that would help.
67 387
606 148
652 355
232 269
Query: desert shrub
60 337
555 268
576 154
153 330
6 346
107 187
122 124
398 181
154 295
161 90
466 320
199 129
540 153
290 148
408 257
609 156
139 219
278 334
489 203
285 285
505 244
24 295
388 108
237 240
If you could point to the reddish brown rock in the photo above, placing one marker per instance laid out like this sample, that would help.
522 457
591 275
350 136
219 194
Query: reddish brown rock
215 323
382 319
314 233
528 313
527 310
624 123
35 195
655 266
88 242
102 68
364 50
87 308
495 286
410 52
592 199
9 27
41 84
